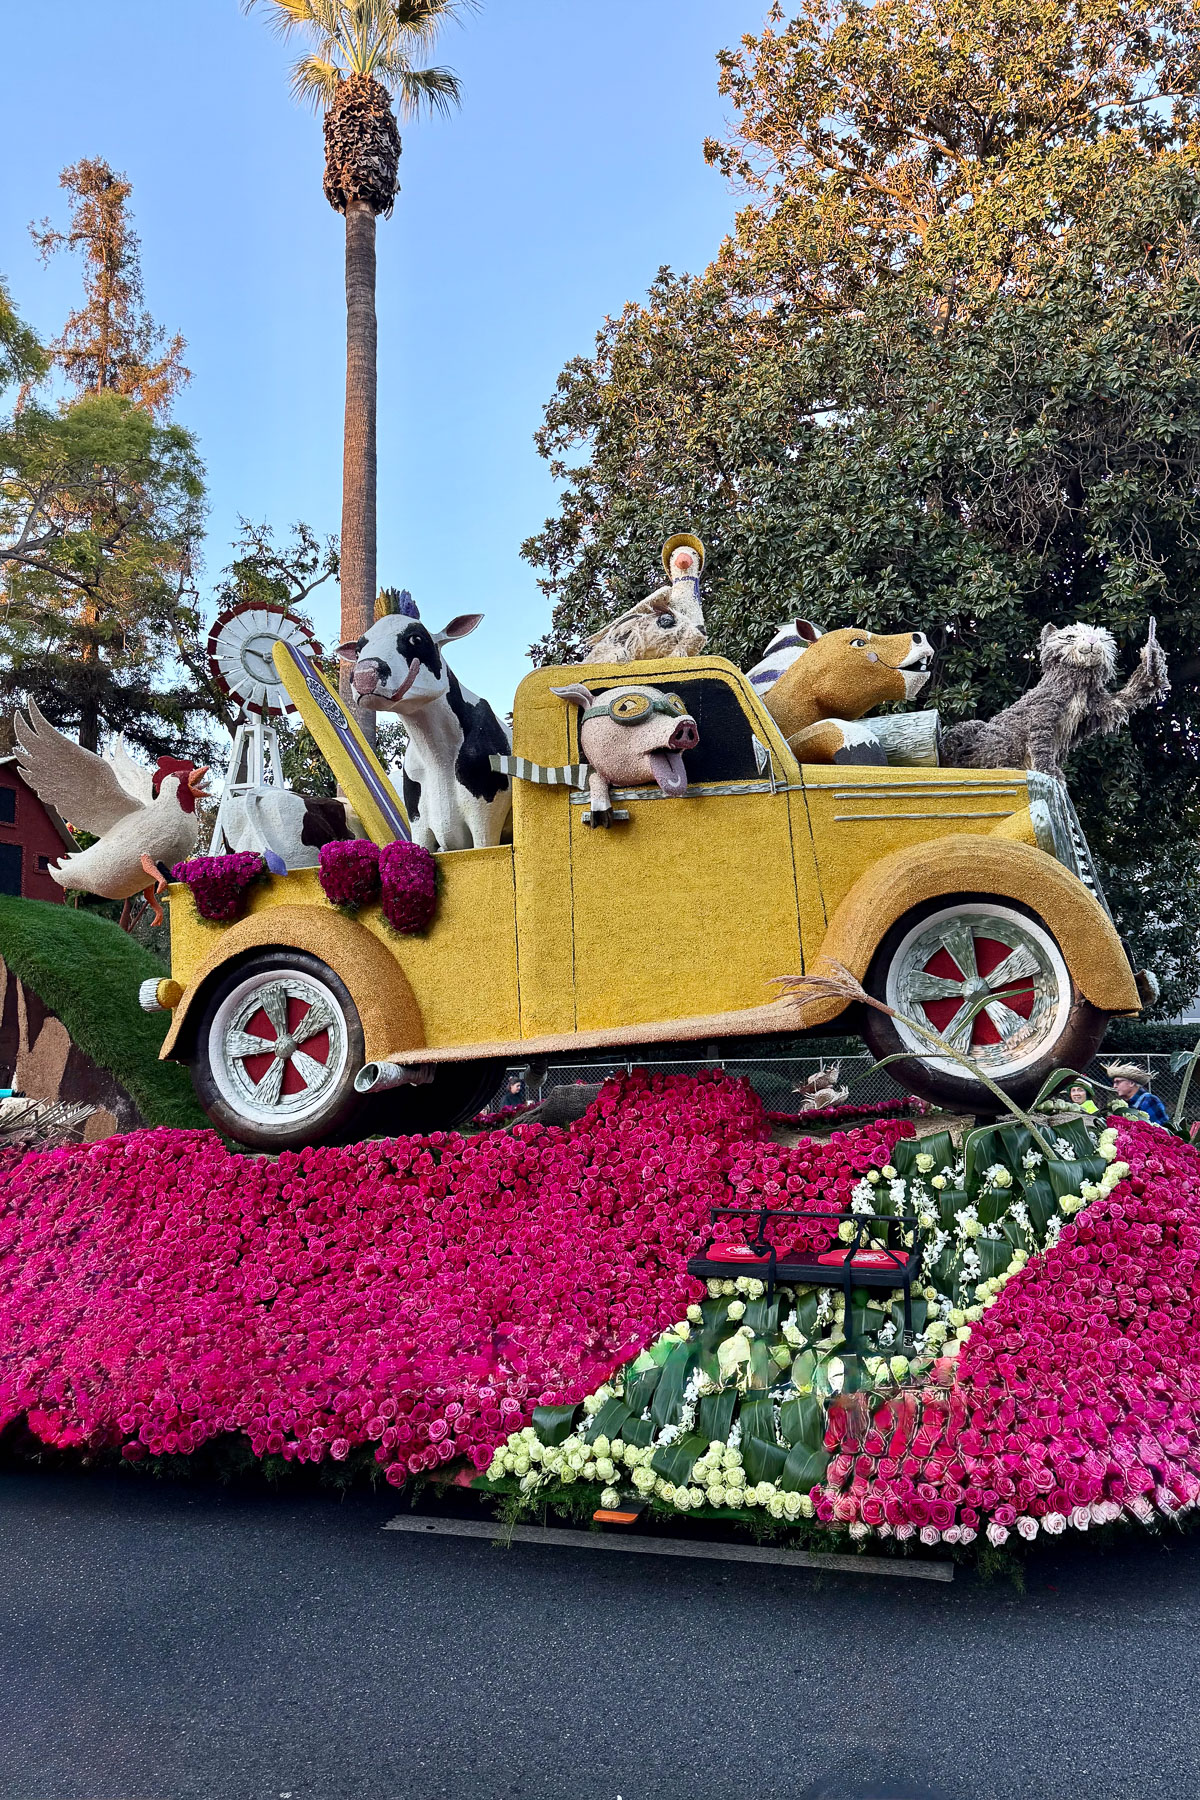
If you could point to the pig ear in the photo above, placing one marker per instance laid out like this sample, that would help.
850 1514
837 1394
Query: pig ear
576 694
350 652
460 626
806 629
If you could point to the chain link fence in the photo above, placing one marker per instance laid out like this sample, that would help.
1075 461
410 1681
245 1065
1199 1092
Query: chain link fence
775 1079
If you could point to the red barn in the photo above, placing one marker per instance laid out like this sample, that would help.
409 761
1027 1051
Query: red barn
32 836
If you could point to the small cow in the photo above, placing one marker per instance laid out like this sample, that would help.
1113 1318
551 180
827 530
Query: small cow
289 827
455 800
817 685
630 737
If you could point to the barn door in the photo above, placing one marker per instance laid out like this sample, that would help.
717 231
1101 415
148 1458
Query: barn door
10 868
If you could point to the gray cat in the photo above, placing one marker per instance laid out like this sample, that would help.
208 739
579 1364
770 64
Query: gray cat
1070 702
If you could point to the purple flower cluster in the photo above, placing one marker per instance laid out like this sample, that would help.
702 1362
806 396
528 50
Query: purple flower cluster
408 875
219 883
349 873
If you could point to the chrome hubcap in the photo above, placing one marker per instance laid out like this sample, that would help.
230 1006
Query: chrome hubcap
278 1046
952 962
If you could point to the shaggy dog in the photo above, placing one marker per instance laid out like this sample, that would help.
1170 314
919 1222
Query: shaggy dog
1070 702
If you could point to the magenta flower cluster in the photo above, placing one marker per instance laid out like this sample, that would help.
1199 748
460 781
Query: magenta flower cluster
348 871
408 877
832 1115
420 1295
1078 1394
219 883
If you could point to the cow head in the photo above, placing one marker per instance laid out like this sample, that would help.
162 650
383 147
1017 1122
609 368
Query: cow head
634 735
398 663
846 674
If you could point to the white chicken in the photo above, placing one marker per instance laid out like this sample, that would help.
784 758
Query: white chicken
143 819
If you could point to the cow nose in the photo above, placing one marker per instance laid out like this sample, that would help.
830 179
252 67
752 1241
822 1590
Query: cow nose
684 737
365 678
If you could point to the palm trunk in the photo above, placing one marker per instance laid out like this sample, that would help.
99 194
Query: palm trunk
359 466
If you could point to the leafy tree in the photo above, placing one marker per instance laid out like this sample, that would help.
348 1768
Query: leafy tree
22 358
942 376
101 503
110 344
362 57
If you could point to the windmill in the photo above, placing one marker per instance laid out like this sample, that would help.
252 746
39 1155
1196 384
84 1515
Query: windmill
240 655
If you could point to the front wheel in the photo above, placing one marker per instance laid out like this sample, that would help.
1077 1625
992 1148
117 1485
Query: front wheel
937 961
278 1046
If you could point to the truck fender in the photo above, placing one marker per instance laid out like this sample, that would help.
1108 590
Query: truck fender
377 983
962 863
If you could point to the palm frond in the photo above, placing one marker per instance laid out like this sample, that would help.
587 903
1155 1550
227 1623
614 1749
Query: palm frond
315 81
377 38
423 90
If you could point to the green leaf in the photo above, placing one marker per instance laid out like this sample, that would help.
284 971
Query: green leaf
609 1422
939 1145
554 1423
717 1323
994 1254
762 1370
1040 1203
920 1313
762 1461
637 1431
950 1201
763 1316
714 1415
802 1421
667 1402
1084 1143
639 1389
1064 1178
807 1304
675 1462
757 1415
805 1466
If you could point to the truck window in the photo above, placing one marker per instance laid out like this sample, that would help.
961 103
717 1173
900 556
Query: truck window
726 748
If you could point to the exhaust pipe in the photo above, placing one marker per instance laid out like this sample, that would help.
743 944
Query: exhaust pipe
378 1077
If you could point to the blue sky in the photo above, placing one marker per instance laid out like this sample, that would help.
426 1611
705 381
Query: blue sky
573 171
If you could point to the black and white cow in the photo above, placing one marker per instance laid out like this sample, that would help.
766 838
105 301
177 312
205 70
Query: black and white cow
454 798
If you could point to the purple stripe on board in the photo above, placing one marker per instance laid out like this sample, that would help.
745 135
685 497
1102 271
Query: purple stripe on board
368 769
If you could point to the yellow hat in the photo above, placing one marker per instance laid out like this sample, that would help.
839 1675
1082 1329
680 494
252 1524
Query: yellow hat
677 543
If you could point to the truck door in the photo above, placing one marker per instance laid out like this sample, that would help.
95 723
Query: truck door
690 906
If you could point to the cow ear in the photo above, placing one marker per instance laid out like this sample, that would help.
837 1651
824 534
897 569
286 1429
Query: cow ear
576 694
460 626
350 652
806 629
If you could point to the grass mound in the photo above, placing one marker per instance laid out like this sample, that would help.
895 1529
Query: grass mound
88 971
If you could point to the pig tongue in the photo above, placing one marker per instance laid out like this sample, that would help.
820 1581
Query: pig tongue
667 768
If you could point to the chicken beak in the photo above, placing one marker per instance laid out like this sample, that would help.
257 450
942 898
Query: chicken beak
195 779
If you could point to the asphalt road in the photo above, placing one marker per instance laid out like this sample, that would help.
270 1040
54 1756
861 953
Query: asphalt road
170 1643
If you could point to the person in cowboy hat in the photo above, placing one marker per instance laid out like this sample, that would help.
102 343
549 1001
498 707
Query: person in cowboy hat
1133 1087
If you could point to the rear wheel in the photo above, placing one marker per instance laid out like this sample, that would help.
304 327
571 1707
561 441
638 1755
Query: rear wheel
938 960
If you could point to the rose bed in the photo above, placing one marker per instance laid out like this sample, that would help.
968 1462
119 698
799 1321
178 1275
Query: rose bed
419 1297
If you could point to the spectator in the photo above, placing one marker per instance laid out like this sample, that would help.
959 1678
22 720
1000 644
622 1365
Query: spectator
1133 1087
1080 1094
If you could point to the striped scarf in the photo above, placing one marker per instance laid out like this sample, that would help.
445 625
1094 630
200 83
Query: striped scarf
572 775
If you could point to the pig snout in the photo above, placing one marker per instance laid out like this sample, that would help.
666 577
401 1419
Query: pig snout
684 737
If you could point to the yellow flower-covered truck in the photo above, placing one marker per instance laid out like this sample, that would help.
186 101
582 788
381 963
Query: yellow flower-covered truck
935 887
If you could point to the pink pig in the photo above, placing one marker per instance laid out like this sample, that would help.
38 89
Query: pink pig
631 736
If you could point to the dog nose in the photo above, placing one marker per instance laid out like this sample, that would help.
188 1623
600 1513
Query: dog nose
684 737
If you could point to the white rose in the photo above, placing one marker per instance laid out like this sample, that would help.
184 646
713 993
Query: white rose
610 1499
695 1315
1027 1527
997 1534
1054 1523
737 1309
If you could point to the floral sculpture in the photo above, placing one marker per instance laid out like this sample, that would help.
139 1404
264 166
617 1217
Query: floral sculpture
349 873
402 878
219 883
499 1303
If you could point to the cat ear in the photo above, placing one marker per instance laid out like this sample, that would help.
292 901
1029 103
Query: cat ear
1048 632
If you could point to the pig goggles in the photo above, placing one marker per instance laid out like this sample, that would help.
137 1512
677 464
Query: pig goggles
631 707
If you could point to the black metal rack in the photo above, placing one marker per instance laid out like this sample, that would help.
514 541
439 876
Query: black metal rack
903 1245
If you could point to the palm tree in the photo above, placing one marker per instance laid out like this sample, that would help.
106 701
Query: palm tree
363 54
